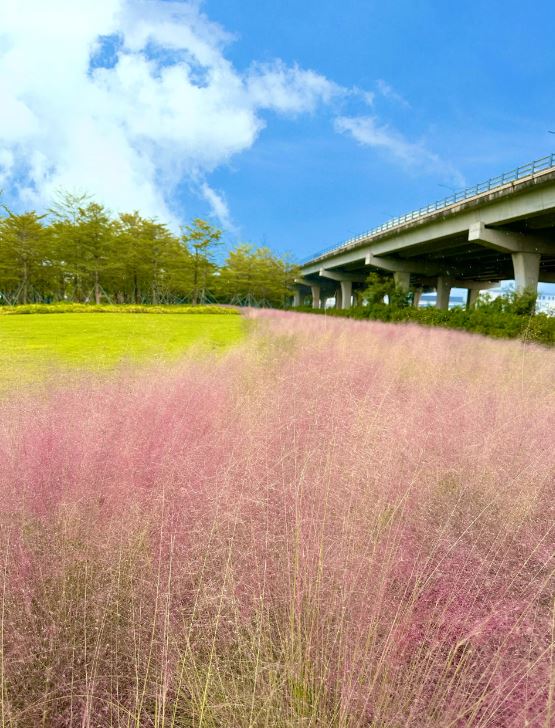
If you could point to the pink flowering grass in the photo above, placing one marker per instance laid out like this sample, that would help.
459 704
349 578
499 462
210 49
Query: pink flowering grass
337 523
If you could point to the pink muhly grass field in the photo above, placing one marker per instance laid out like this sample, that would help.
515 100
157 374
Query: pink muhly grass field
337 523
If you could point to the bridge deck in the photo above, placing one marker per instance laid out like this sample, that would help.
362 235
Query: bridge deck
514 215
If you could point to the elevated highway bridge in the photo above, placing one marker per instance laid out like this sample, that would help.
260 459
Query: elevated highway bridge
501 229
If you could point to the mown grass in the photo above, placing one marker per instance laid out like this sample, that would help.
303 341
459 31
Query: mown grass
34 345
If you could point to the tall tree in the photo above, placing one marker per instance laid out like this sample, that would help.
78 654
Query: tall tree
150 258
84 237
257 276
202 240
83 253
24 259
159 247
127 279
64 214
95 234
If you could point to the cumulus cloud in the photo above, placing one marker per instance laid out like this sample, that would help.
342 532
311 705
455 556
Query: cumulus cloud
127 98
368 131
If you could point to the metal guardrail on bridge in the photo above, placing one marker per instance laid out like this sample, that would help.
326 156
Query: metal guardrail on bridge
526 170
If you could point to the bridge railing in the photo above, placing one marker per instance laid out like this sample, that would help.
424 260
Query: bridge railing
526 170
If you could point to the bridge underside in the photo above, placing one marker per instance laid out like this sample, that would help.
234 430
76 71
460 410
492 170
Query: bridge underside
506 235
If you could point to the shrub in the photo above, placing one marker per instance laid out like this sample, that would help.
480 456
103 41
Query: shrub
503 317
109 308
520 304
378 287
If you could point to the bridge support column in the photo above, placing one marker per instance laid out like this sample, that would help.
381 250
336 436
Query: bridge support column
338 298
416 294
323 300
402 280
346 293
527 271
297 298
525 250
443 290
472 297
315 296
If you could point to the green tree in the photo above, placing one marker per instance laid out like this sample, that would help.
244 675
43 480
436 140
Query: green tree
95 234
82 254
150 259
83 234
159 250
128 274
256 275
25 264
202 241
379 286
520 303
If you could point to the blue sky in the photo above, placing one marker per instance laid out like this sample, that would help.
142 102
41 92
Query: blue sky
475 85
291 124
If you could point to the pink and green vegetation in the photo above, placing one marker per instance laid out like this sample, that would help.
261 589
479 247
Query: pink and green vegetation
510 316
337 523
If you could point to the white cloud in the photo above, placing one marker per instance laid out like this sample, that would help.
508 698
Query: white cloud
6 165
368 131
369 97
289 90
168 107
388 92
127 99
218 205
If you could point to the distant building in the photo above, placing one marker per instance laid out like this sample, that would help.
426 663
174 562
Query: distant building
429 299
545 303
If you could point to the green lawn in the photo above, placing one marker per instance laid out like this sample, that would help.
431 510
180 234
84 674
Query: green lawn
34 345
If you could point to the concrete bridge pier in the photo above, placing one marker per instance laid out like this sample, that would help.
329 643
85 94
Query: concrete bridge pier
416 296
402 271
526 270
525 250
346 293
301 284
323 300
402 280
443 291
472 297
338 297
315 290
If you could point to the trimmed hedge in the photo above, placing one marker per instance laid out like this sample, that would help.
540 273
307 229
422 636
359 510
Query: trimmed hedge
485 319
122 308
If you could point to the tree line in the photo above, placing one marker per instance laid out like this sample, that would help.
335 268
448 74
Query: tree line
79 252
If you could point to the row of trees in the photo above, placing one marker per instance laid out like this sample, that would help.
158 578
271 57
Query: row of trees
79 252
